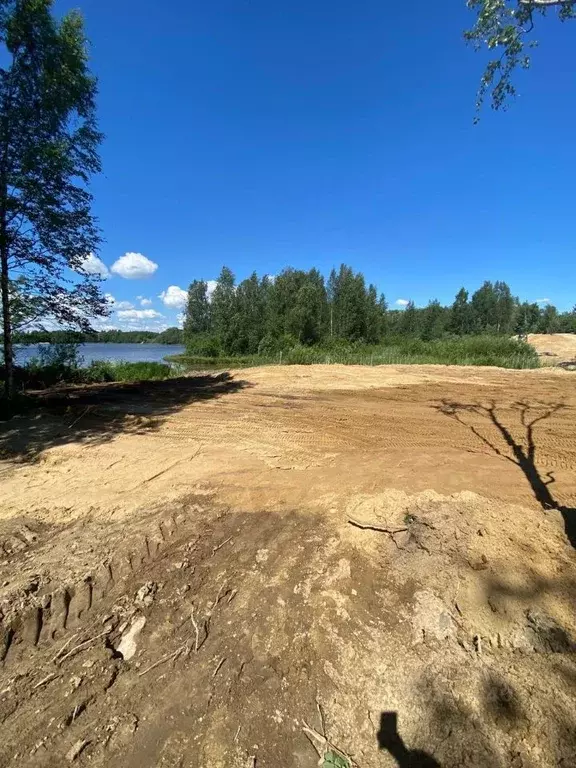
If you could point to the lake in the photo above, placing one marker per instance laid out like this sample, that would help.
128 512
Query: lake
131 353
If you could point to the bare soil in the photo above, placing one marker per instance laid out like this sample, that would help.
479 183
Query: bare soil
556 348
209 571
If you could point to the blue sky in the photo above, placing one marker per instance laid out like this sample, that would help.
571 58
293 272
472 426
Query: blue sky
263 134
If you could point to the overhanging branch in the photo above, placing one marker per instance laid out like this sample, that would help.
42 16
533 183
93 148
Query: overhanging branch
544 3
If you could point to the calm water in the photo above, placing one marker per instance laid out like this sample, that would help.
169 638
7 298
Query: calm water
132 353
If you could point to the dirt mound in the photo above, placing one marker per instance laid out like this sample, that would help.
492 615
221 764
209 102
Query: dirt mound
554 348
385 573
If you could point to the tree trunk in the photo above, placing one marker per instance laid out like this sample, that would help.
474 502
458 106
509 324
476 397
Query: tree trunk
6 320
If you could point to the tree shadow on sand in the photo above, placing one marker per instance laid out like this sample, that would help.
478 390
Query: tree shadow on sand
95 414
523 453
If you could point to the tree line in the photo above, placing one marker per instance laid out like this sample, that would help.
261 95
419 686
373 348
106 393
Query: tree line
113 336
260 315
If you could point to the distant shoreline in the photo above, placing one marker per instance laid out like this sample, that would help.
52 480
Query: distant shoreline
38 343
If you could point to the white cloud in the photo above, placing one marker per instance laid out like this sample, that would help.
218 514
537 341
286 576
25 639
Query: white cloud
144 302
138 314
180 319
211 287
115 304
133 266
542 301
92 265
143 325
174 297
402 302
103 324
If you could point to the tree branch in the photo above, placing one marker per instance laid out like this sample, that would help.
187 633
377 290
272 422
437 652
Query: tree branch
544 3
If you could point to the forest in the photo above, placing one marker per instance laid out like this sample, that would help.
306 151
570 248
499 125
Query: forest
114 336
262 315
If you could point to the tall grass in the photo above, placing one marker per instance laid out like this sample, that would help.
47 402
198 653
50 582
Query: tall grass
38 376
497 351
105 370
472 350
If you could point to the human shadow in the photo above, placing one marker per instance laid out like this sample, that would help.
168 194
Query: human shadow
96 413
390 740
523 454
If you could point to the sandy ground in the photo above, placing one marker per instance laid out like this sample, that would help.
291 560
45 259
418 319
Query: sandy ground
210 572
554 348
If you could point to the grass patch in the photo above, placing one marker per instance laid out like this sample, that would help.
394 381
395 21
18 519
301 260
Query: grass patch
191 362
37 376
498 351
105 370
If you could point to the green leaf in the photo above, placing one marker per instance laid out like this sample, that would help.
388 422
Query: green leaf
333 760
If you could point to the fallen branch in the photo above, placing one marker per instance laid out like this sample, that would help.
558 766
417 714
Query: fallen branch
375 527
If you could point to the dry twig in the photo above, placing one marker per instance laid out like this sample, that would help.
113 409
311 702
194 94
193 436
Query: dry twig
84 412
83 645
322 719
66 644
215 603
196 630
219 546
375 527
222 660
316 739
169 657
45 681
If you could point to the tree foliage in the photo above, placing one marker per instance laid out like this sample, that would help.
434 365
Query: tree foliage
48 154
505 28
197 316
300 308
111 336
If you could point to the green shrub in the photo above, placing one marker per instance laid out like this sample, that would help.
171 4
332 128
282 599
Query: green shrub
272 345
203 345
99 371
54 364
